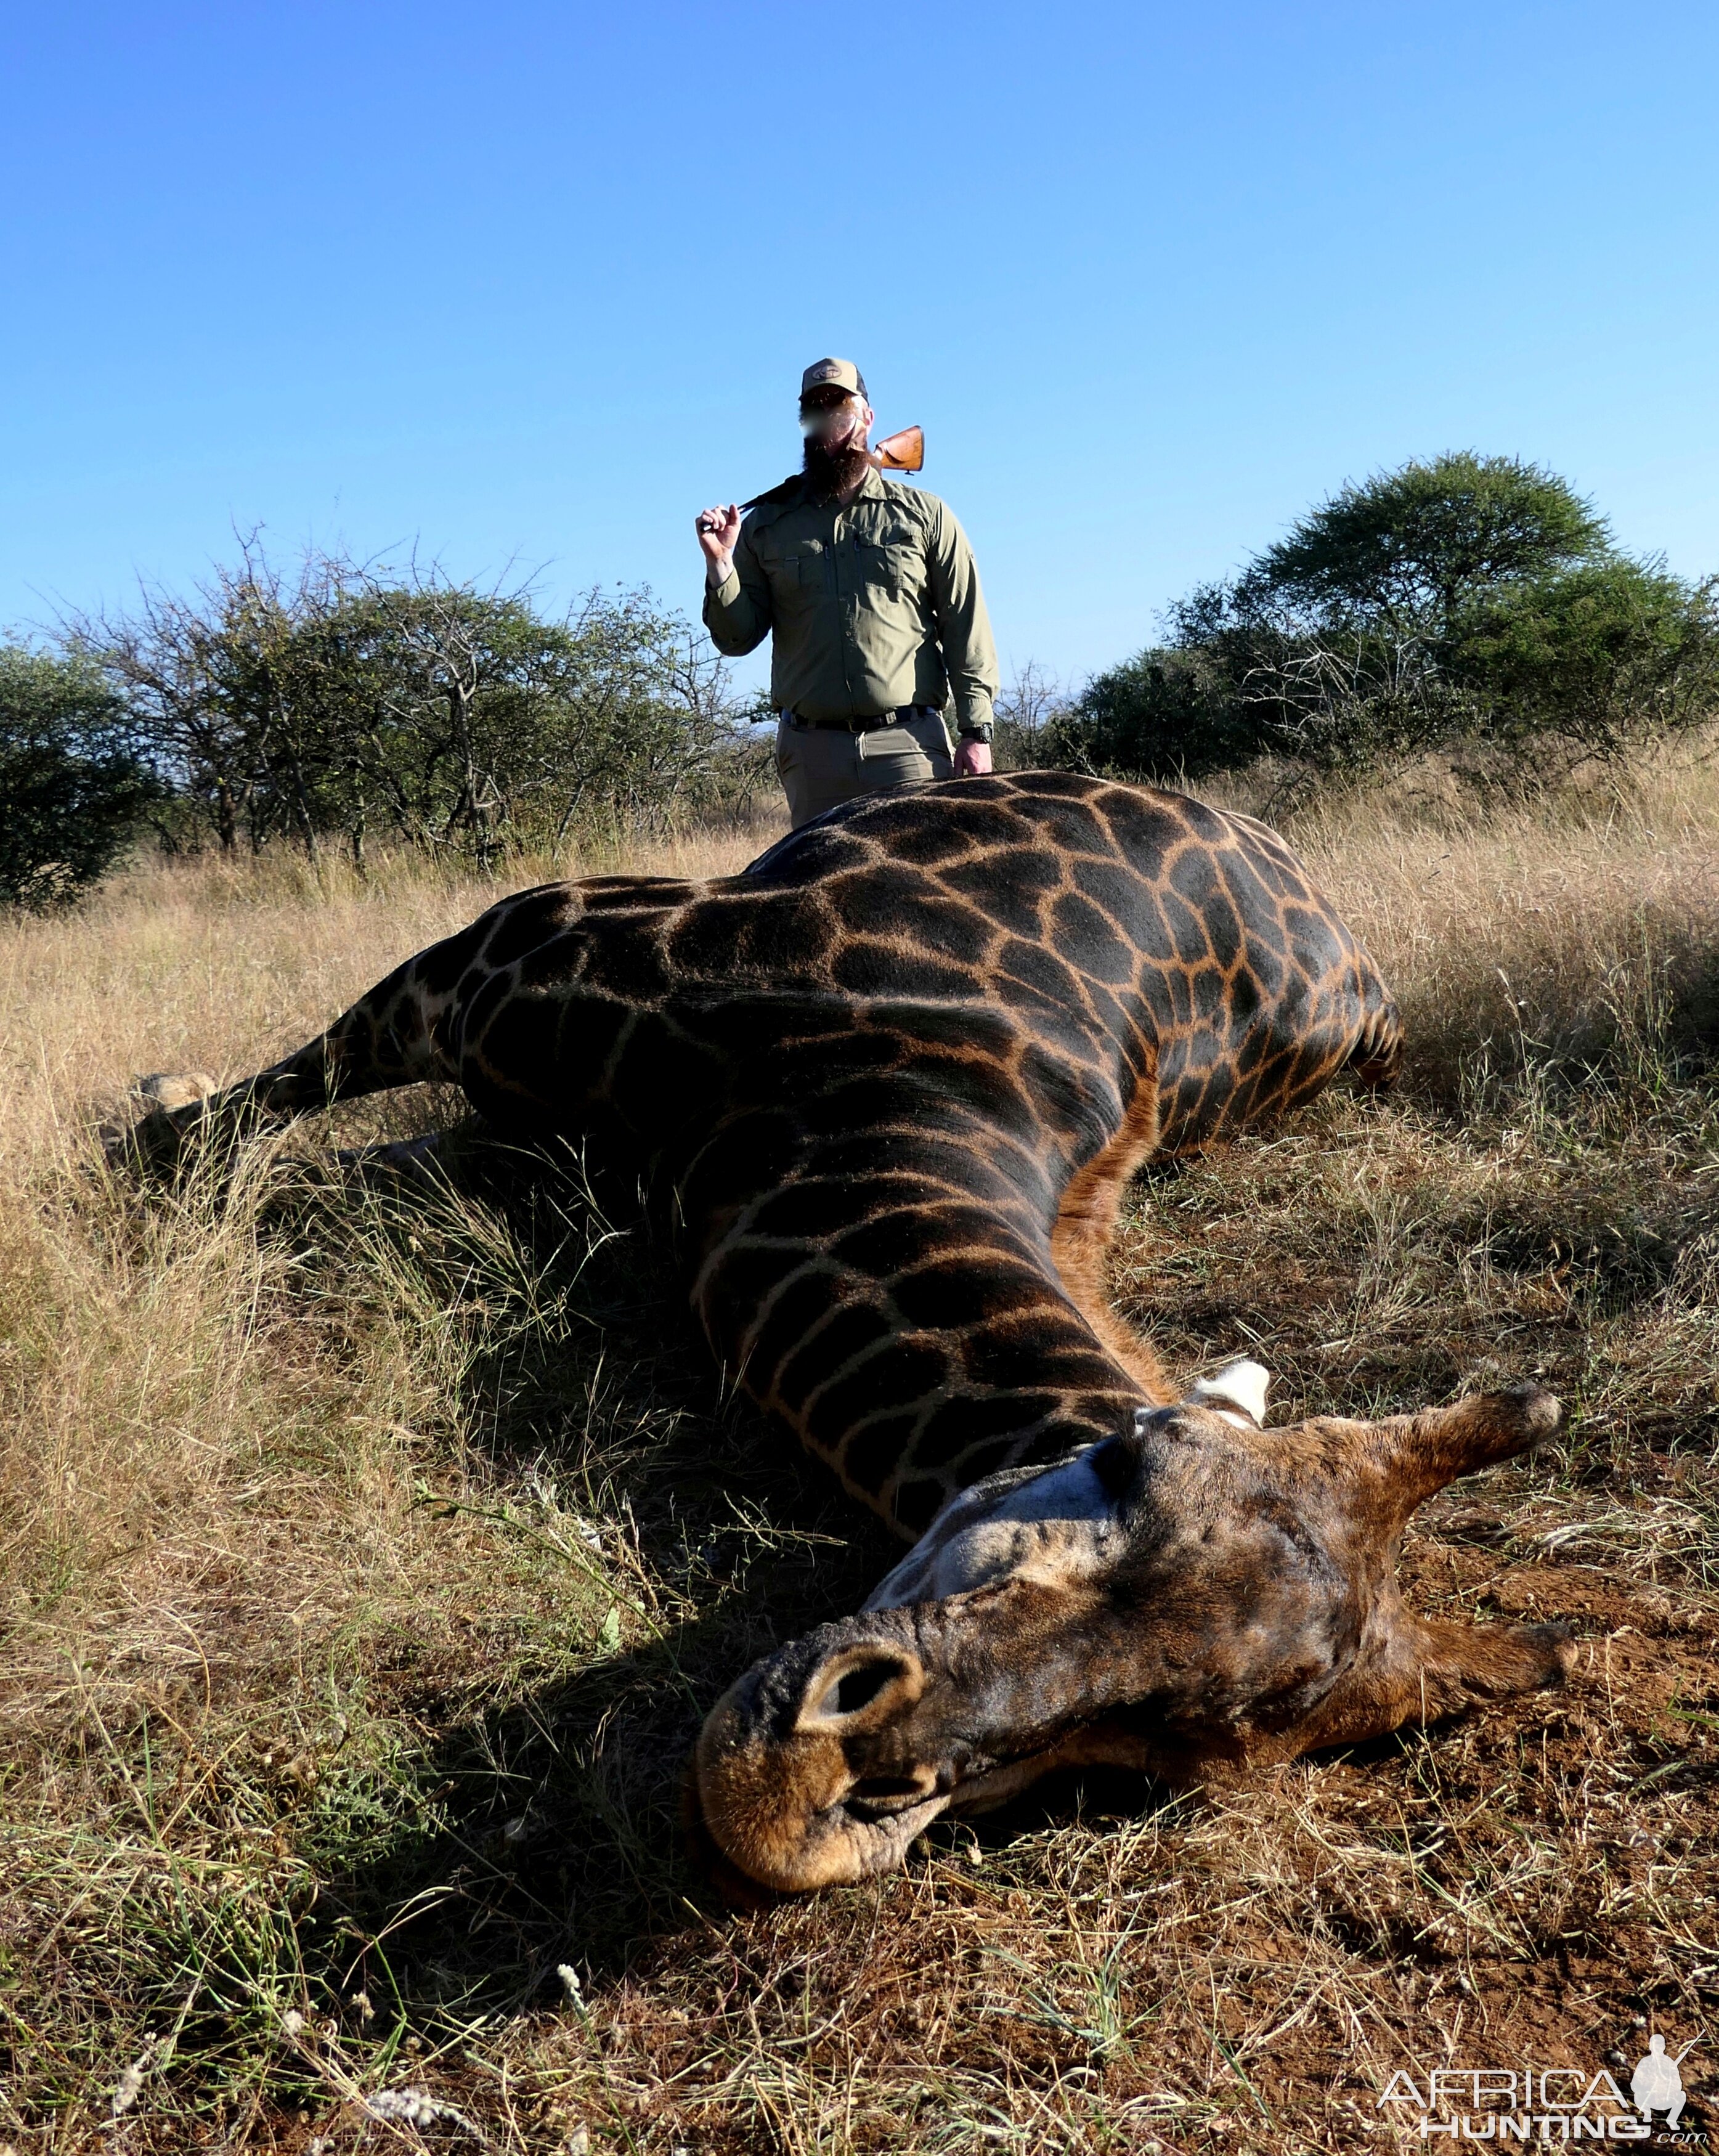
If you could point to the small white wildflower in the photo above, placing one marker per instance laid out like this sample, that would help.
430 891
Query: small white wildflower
129 2087
404 2107
570 1982
417 2107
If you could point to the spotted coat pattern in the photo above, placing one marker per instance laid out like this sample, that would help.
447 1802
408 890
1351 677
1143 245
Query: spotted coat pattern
893 1079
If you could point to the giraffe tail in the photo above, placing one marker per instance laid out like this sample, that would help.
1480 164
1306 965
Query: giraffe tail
1375 1062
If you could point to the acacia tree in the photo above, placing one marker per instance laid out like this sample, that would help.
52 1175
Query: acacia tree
1032 704
340 698
470 717
442 687
162 660
222 689
1410 552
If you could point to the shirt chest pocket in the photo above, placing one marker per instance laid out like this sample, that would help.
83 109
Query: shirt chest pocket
892 561
797 570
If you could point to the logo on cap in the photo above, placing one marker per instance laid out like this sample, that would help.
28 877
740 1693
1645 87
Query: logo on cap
842 372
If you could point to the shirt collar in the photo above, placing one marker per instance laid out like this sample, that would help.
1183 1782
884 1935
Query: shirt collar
871 489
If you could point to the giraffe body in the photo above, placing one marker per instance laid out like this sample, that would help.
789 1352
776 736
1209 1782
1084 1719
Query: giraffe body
894 1078
896 1075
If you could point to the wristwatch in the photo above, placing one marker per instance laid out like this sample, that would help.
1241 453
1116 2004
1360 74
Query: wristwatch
978 730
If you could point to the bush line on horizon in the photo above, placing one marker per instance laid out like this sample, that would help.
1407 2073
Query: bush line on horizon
1472 609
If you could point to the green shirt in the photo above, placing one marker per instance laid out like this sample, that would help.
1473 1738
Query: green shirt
873 606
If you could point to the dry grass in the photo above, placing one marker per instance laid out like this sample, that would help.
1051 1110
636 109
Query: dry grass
370 1555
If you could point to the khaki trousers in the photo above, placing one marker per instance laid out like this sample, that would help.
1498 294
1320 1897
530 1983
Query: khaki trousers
822 766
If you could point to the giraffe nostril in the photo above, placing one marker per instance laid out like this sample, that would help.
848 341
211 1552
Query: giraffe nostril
860 1687
880 1794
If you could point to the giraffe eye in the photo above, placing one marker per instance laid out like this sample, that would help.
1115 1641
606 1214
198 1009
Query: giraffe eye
1113 1463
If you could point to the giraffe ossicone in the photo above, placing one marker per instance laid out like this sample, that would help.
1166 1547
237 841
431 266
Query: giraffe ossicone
891 1083
1239 1385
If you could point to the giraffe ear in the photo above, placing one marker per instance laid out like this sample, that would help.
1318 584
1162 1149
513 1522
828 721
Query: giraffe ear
860 1688
1409 1457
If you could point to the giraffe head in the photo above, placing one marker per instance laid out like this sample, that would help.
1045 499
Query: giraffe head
1194 1593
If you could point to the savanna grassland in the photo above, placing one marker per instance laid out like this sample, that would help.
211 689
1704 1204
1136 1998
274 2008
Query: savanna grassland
372 1548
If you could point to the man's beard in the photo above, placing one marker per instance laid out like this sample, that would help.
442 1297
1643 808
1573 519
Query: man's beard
829 473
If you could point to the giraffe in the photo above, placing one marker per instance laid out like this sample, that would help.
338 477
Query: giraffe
891 1082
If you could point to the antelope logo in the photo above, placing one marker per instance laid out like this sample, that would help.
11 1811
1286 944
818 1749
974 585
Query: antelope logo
1543 2104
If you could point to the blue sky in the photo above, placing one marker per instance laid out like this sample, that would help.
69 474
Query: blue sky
530 283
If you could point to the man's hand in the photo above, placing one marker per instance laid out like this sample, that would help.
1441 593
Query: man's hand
717 531
972 758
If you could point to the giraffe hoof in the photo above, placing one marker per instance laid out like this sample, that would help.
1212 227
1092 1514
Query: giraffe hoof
171 1090
412 1156
170 1100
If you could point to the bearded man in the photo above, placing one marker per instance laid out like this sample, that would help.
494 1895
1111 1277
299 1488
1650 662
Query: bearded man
870 589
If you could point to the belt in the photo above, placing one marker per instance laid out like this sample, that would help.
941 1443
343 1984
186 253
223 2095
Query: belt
863 726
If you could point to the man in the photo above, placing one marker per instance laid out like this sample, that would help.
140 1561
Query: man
870 589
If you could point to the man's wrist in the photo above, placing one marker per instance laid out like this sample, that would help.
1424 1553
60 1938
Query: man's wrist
717 573
978 730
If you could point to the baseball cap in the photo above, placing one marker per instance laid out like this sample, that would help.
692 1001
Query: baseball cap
832 374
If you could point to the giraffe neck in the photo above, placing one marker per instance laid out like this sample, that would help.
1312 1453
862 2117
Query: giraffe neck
909 1324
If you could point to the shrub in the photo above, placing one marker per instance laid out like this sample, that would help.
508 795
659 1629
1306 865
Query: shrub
1594 660
74 793
1469 602
1165 713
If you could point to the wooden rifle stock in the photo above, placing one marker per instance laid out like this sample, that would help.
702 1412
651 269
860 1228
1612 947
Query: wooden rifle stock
902 452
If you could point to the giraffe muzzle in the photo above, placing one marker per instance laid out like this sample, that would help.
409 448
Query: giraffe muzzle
804 1774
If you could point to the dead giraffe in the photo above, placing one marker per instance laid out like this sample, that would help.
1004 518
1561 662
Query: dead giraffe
893 1078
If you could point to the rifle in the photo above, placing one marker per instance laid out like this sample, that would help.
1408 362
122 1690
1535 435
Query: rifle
902 452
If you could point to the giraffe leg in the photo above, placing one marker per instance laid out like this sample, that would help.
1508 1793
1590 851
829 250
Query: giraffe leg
1424 1670
390 1037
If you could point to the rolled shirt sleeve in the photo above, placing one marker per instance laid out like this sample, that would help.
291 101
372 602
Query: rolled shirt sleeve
963 625
737 611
